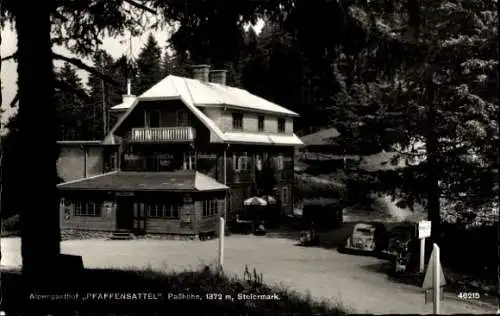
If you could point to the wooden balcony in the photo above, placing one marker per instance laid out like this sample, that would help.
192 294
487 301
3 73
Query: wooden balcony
162 135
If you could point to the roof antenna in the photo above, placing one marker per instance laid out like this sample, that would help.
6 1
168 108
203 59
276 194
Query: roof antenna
129 72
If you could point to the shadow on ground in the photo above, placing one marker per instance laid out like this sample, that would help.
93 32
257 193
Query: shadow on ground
417 279
332 238
149 292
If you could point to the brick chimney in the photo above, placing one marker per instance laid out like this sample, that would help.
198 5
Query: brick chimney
218 76
201 72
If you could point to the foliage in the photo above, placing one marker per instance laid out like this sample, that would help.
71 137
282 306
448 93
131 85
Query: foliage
120 70
273 68
172 64
210 31
441 92
71 121
10 224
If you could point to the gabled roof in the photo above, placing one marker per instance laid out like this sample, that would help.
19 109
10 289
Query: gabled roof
79 142
184 181
196 94
205 94
260 138
216 134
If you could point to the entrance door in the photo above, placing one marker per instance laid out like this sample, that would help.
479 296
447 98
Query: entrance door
139 219
124 213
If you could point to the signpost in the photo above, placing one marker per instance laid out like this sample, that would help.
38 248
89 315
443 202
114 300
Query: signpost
424 231
434 279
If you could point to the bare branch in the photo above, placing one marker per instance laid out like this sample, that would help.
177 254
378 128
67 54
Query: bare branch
405 153
9 57
78 63
140 6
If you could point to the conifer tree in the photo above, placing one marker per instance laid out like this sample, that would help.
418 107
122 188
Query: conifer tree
149 65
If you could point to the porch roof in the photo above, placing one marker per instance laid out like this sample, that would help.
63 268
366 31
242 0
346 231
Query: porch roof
182 181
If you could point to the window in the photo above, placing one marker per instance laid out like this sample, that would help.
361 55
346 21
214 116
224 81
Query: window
87 208
153 118
285 195
281 125
170 210
188 161
154 210
240 161
261 124
259 162
279 162
210 208
182 118
163 210
237 121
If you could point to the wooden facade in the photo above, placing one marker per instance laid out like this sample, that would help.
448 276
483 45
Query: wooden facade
140 212
243 161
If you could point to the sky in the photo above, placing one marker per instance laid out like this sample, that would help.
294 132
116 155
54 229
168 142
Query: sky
114 46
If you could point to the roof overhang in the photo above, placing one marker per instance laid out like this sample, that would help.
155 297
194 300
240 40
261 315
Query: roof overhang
123 181
242 108
78 143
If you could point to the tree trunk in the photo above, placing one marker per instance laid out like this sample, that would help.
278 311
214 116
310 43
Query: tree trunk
432 151
498 161
1 147
39 217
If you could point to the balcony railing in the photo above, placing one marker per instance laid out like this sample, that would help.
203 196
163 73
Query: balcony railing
162 135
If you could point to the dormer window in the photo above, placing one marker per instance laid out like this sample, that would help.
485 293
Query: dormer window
180 117
261 123
281 125
153 118
237 121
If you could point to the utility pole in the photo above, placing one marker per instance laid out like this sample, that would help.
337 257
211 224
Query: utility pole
104 109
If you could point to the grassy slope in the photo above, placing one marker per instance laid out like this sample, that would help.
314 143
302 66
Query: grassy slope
162 284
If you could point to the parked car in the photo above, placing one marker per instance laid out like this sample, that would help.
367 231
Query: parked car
371 237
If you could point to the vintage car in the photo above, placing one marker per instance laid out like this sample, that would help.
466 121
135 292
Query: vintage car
308 238
363 238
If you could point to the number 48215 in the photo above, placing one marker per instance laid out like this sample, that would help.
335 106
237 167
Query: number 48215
468 295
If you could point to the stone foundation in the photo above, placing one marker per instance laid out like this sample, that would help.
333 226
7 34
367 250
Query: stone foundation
72 234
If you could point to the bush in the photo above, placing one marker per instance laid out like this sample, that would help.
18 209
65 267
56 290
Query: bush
323 216
471 251
11 225
307 186
202 282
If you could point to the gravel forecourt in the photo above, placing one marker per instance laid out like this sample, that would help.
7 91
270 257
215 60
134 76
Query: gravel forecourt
325 274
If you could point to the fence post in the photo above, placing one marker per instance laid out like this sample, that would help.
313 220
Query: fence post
221 243
436 278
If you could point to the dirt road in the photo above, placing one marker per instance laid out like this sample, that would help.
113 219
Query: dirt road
323 273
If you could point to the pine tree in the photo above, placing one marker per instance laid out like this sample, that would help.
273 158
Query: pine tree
149 65
104 62
272 67
173 64
70 117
